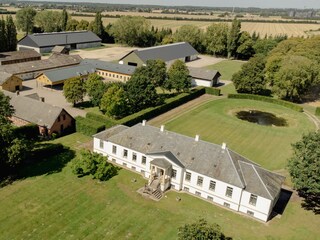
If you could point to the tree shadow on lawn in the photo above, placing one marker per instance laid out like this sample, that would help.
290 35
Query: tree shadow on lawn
53 163
311 202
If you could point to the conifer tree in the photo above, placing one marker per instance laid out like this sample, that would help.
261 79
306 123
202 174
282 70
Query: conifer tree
233 37
11 33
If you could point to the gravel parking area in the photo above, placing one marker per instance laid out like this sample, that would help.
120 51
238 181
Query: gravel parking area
204 60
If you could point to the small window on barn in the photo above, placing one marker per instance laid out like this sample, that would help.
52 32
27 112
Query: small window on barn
59 119
64 117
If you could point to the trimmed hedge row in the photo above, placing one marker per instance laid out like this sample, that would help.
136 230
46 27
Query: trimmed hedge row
213 91
88 127
267 99
318 111
102 119
156 111
30 131
42 151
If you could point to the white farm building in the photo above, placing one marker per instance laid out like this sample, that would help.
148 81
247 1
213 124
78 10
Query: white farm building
173 161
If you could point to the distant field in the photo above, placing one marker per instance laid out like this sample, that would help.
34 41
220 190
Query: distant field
291 29
269 146
227 68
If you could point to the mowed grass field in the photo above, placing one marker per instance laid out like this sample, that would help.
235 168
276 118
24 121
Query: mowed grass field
268 146
58 205
227 68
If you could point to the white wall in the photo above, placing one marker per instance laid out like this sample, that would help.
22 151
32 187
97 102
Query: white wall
200 82
21 47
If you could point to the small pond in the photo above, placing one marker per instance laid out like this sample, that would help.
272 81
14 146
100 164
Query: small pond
262 118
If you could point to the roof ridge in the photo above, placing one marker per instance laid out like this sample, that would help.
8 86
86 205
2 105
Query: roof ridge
235 167
242 174
261 180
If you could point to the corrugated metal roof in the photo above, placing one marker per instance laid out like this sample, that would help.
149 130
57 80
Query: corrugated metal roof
166 53
58 38
111 67
34 111
199 156
201 73
57 75
55 61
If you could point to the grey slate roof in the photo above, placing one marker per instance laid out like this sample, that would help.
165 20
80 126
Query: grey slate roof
165 52
34 111
109 66
4 77
57 75
59 49
161 162
201 157
204 74
58 38
17 55
54 61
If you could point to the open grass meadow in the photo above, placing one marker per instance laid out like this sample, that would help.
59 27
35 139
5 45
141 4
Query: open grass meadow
227 68
216 122
57 205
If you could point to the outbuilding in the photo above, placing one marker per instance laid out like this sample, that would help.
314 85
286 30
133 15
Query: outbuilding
45 42
204 77
9 82
168 53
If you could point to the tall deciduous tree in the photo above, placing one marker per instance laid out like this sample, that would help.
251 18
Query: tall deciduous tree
178 77
96 26
11 34
201 230
64 19
216 38
141 92
233 37
6 110
95 88
304 169
83 25
250 79
114 102
25 19
191 34
72 25
49 21
245 46
74 90
157 72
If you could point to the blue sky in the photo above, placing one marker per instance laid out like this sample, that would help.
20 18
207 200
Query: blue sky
219 3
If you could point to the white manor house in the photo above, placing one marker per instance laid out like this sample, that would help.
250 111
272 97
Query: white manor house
209 171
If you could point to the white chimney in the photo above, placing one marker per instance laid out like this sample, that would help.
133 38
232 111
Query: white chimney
224 146
144 122
197 138
162 128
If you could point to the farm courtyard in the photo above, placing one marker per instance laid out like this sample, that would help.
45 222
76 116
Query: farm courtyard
52 203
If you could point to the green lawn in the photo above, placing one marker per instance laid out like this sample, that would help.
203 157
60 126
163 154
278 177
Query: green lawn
268 146
227 68
62 206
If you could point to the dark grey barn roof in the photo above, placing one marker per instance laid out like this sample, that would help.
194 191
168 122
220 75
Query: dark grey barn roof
109 66
34 111
4 77
201 157
18 55
61 74
58 38
165 52
203 74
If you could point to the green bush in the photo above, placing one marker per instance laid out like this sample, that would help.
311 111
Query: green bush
88 127
267 99
318 111
156 111
102 119
213 91
30 131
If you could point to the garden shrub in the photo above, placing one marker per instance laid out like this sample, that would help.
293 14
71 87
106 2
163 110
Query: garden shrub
29 131
267 99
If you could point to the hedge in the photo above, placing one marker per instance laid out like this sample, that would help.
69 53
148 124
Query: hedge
318 111
30 131
156 111
213 91
267 99
101 118
88 126
42 151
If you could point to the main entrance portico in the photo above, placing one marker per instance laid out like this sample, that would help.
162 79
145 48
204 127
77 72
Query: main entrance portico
160 176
